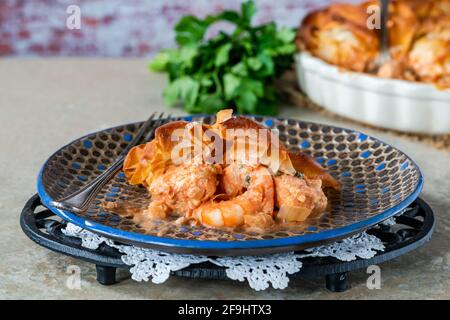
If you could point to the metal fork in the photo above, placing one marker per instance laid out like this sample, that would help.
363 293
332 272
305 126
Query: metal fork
384 55
80 200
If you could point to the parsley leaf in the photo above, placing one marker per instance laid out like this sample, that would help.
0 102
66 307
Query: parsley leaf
228 70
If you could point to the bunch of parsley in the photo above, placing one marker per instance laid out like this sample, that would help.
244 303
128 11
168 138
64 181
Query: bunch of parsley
229 70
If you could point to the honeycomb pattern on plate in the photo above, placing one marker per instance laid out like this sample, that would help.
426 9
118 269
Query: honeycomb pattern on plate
374 177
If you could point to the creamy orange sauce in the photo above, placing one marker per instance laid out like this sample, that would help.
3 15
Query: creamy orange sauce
161 227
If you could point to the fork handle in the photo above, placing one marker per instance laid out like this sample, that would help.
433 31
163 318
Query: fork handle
384 27
80 200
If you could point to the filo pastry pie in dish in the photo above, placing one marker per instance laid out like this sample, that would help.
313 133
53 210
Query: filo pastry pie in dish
419 37
336 64
221 187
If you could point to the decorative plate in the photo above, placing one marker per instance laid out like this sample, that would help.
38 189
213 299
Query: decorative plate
378 181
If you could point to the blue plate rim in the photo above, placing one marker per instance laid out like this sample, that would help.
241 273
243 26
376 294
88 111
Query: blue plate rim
232 244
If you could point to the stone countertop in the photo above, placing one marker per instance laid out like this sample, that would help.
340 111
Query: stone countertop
46 103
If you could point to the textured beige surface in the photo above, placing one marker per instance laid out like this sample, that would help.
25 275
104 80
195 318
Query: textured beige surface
46 103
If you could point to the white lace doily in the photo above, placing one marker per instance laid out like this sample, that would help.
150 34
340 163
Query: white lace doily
362 245
259 271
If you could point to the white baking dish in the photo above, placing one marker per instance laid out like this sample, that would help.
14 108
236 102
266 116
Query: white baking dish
393 104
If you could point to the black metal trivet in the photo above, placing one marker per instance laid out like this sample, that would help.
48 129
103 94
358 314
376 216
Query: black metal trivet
412 229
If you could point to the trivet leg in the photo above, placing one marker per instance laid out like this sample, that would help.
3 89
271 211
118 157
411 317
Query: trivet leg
106 275
337 282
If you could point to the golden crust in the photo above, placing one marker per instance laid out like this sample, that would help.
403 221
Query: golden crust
297 160
239 122
142 162
164 133
338 40
355 15
403 26
312 170
246 124
146 162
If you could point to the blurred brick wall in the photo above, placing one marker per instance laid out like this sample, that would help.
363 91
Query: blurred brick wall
113 28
